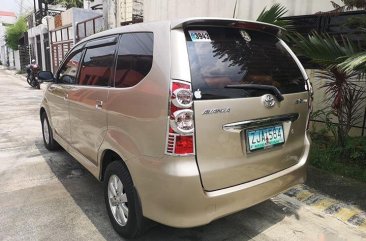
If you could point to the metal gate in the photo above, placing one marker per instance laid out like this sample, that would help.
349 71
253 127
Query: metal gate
61 43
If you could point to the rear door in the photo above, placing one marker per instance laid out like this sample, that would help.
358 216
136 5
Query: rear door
245 129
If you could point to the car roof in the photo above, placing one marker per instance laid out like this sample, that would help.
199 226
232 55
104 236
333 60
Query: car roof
180 23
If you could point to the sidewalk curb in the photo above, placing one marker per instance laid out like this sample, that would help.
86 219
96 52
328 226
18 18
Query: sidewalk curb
346 213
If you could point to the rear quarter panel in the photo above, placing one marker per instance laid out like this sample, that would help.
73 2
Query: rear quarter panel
137 116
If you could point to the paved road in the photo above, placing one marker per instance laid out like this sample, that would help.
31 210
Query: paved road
49 196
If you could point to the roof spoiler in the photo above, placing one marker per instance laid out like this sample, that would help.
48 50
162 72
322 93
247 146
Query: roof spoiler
228 22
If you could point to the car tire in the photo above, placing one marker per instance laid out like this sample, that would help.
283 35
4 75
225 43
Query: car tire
122 201
47 134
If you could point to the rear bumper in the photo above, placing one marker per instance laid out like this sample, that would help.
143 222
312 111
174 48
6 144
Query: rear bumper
171 191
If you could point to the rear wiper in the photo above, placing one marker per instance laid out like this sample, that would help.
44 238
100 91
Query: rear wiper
271 88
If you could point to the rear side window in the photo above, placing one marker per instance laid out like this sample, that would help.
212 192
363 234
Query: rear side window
97 65
227 56
135 56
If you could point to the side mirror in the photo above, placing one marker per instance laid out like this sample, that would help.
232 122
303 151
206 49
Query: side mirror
46 76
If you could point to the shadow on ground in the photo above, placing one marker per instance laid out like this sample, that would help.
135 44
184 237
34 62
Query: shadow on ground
88 195
344 189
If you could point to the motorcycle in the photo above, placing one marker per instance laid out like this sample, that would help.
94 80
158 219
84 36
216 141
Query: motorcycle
32 74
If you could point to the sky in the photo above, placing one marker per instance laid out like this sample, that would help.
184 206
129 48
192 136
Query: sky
14 5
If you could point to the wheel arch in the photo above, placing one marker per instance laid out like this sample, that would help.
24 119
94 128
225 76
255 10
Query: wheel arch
108 157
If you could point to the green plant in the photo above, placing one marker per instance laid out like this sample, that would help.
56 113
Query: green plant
325 116
344 96
14 33
349 161
273 16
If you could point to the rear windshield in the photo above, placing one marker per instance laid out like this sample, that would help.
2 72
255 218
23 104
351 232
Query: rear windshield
227 56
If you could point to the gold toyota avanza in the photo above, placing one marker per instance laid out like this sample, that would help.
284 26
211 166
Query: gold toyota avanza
183 121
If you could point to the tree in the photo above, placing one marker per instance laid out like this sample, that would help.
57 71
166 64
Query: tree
71 3
15 32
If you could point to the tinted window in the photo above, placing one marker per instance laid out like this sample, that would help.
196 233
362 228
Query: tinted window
221 56
97 66
135 55
68 72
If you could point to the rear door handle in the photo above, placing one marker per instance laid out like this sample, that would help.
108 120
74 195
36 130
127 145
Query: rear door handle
99 104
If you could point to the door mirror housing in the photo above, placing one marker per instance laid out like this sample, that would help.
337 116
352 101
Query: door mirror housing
46 76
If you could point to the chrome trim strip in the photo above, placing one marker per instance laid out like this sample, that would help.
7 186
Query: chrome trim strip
239 126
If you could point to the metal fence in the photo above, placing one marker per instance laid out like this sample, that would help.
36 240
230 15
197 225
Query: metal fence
89 27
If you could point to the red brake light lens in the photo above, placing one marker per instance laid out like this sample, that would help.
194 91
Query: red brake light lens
184 145
180 139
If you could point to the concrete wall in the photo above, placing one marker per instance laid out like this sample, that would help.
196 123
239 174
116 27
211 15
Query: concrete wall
67 17
79 14
2 44
110 13
124 10
245 9
2 54
17 60
11 59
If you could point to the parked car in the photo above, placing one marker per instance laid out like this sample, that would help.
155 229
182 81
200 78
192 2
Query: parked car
183 121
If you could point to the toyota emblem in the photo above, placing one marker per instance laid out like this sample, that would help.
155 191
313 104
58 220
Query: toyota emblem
268 101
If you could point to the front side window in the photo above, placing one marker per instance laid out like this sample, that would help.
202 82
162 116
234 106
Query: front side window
222 57
135 56
68 72
97 66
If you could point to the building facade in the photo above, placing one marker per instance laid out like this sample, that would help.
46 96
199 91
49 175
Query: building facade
6 54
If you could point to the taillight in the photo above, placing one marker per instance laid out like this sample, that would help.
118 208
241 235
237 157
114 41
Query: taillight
180 139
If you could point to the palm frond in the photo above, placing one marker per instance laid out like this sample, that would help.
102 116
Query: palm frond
355 62
273 15
322 48
335 5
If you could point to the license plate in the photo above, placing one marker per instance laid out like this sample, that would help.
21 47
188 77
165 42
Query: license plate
265 137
